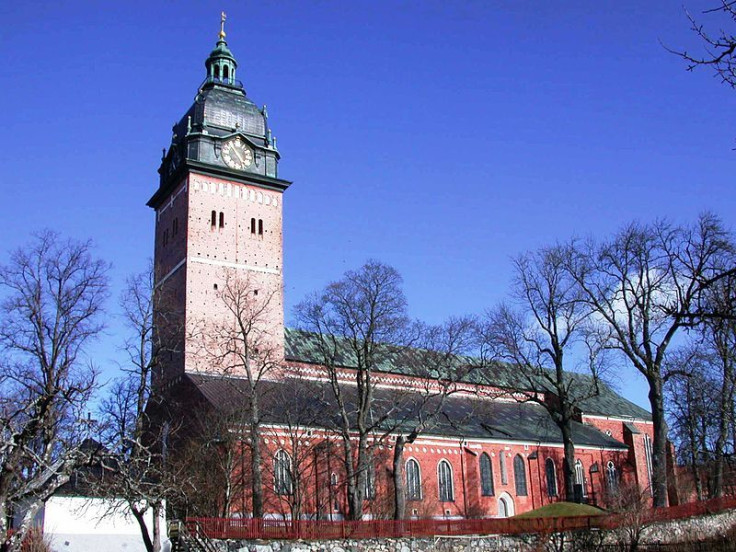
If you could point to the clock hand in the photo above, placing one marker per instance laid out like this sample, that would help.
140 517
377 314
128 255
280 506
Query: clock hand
239 156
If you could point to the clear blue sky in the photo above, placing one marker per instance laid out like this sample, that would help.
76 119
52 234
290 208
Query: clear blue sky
440 137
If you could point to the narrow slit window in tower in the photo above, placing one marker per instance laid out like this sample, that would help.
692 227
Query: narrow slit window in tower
213 219
260 227
222 219
252 226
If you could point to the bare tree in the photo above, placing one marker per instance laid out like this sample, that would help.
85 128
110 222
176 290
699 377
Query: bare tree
643 286
439 361
297 407
54 294
243 343
630 505
216 458
692 411
539 336
354 319
701 395
720 48
719 335
136 479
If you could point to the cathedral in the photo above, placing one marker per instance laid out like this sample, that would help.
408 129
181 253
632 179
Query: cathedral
218 267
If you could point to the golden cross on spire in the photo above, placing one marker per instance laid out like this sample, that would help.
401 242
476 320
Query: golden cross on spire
223 17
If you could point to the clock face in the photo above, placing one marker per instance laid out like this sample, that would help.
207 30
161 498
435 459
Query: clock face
236 154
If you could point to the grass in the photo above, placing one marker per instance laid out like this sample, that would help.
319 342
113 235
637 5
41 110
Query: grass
562 509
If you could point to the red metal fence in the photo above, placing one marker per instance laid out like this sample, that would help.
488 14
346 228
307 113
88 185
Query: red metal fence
248 529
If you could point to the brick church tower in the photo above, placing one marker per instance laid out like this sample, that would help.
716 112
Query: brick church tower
218 220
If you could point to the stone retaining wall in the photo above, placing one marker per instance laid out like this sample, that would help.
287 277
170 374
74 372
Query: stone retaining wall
697 528
441 544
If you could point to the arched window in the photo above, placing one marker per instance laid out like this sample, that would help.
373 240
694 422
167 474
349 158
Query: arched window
252 226
520 475
333 491
282 481
260 227
549 470
213 219
486 475
369 492
580 477
504 471
225 73
413 480
503 508
217 71
611 477
444 479
222 219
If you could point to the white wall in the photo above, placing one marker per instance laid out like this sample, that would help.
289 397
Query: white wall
77 524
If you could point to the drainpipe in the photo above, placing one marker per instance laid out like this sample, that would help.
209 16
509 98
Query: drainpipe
539 476
533 456
462 474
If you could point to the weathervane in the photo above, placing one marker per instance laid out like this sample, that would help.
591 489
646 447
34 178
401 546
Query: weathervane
223 17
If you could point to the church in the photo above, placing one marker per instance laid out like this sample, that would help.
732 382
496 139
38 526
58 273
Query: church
218 263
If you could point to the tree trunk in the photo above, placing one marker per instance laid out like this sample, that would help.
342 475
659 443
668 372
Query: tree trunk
694 457
256 475
568 462
140 518
724 418
359 475
659 446
398 477
156 527
350 476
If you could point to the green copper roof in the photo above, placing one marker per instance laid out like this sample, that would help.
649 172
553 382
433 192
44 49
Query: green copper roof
221 50
302 346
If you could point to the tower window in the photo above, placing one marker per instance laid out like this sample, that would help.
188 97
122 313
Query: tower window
217 71
260 227
252 226
222 219
175 227
213 219
166 237
225 73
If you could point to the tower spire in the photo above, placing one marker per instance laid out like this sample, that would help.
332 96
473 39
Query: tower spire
223 17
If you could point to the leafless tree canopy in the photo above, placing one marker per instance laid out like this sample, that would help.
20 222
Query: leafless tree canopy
719 45
701 393
136 478
538 334
358 315
54 292
645 285
243 344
